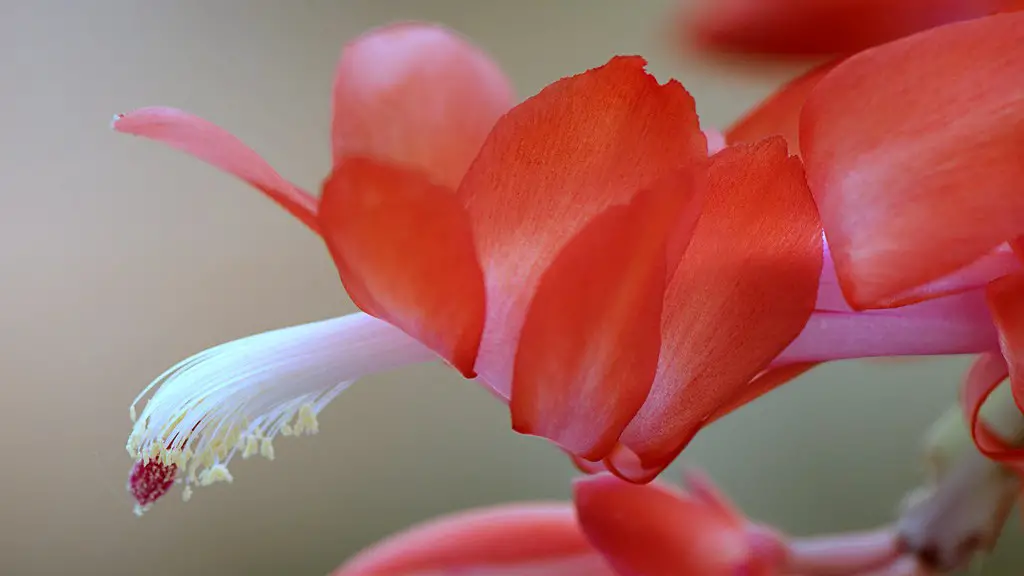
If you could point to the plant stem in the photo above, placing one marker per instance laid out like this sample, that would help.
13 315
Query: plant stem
961 511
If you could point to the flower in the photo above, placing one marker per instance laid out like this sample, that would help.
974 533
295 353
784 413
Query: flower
619 528
922 214
818 27
579 252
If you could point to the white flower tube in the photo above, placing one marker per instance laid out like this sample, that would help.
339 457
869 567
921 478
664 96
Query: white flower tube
238 396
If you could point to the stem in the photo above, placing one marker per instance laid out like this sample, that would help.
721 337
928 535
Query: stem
961 511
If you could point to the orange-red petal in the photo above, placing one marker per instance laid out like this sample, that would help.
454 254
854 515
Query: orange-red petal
779 114
404 250
813 27
555 162
1006 300
510 540
589 346
217 147
651 530
913 153
988 371
743 291
419 95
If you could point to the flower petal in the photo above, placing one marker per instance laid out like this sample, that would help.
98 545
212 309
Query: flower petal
217 147
779 114
653 531
913 153
551 165
815 27
987 372
764 383
240 395
512 540
1006 298
418 95
404 250
589 346
743 291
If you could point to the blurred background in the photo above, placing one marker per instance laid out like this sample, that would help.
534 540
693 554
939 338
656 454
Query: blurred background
120 257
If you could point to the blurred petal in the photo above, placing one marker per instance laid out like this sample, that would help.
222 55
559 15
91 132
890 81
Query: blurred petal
240 395
987 372
743 291
913 154
589 346
512 540
418 95
217 147
1006 297
816 27
650 530
779 114
551 165
404 250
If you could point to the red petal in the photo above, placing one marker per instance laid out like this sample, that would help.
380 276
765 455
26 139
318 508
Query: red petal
417 95
510 540
404 250
652 531
779 114
821 26
1006 299
555 162
986 374
216 146
913 154
742 293
589 346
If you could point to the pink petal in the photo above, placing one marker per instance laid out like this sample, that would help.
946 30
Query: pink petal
215 146
417 95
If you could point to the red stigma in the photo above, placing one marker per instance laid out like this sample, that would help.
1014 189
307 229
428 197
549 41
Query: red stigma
149 480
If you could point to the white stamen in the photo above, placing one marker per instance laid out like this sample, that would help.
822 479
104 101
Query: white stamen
239 395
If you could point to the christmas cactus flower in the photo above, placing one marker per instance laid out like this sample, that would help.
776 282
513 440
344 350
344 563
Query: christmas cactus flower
581 254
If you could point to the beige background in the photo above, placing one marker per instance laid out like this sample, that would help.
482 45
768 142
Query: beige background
119 257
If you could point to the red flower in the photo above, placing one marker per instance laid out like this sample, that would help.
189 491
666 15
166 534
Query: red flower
579 252
623 529
815 27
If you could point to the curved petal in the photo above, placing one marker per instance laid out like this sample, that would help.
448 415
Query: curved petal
743 291
813 27
527 539
217 147
239 396
404 250
551 165
1006 298
987 372
913 154
589 346
779 114
418 95
651 530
